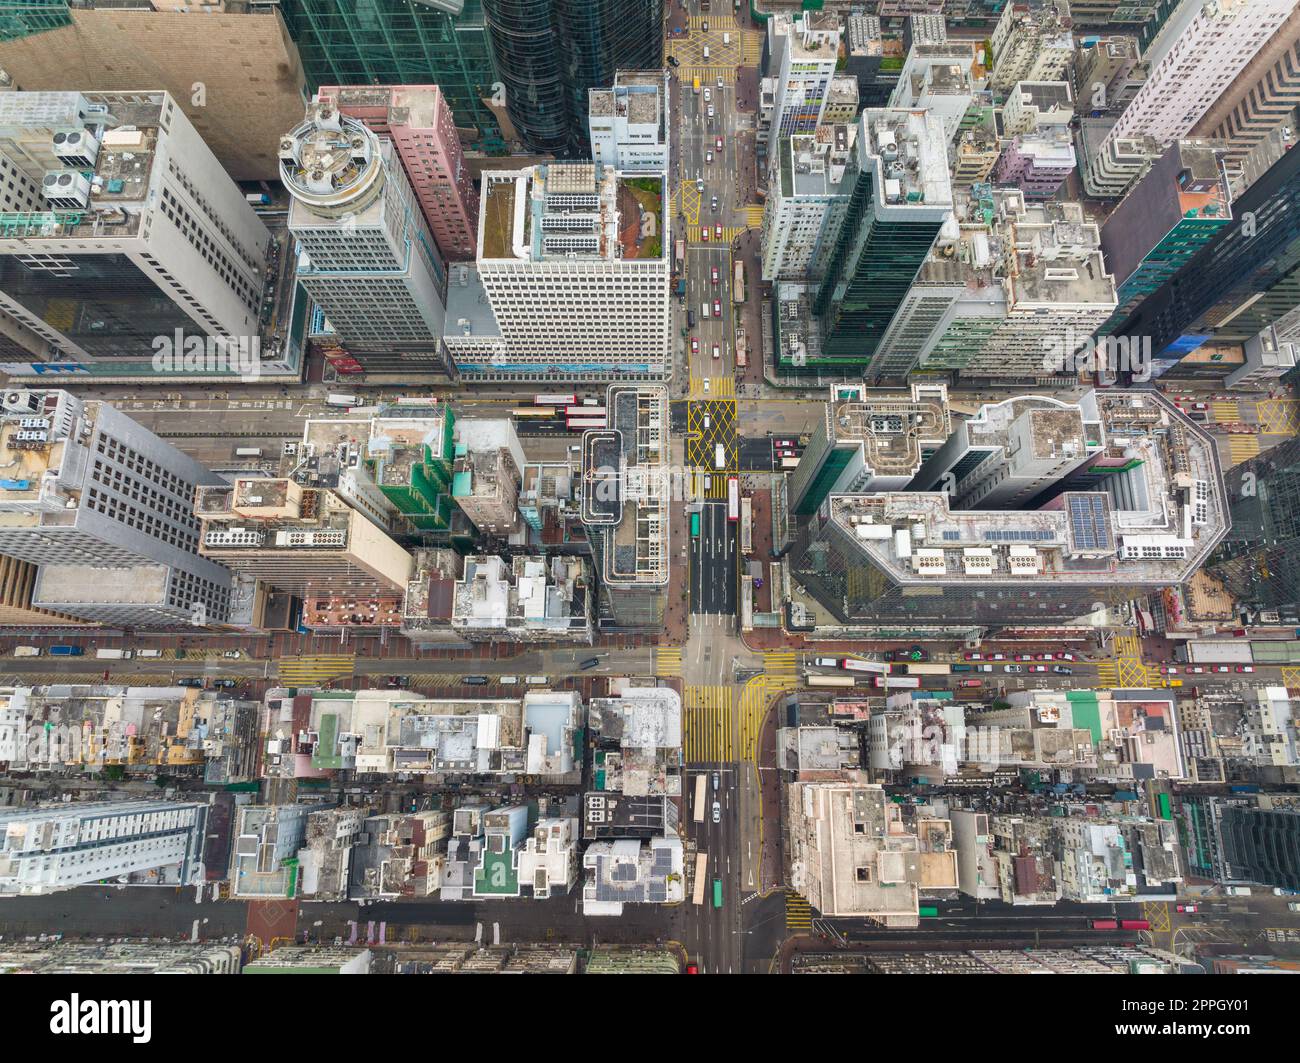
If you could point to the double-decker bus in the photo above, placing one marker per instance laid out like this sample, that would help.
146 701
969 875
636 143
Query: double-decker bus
733 499
679 251
534 413
738 282
698 808
581 424
828 680
852 664
701 876
576 413
913 668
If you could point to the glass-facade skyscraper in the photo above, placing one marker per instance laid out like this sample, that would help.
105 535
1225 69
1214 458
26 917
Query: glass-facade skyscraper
551 52
1262 845
1260 558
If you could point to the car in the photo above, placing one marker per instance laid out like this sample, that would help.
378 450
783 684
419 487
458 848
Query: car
717 308
1244 668
717 352
718 141
405 680
972 655
1042 656
708 480
1190 909
713 274
719 81
1065 656
984 668
717 812
704 234
706 385
1222 668
713 204
997 656
474 680
225 684
972 682
705 27
717 781
692 969
1200 406
699 185
1061 669
673 61
707 97
826 662
1023 657
1038 668
783 442
1282 891
695 345
233 654
708 157
590 662
198 683
717 231
710 110
1015 669
1195 669
1168 669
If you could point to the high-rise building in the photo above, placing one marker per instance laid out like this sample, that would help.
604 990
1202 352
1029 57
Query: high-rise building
1244 279
937 78
1036 163
397 42
105 507
806 201
629 122
803 52
871 60
1262 845
123 240
49 849
551 53
366 256
1259 561
899 197
1033 44
233 71
304 540
572 278
1261 98
1140 19
487 474
420 124
1195 57
1138 515
1107 73
1037 105
1167 217
530 600
625 506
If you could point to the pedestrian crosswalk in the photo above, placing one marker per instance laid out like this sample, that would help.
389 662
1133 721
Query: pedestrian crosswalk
780 663
706 484
668 661
1225 412
753 216
309 671
720 387
798 912
756 701
707 724
695 234
1242 448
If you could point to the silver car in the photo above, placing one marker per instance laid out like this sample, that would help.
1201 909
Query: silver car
717 812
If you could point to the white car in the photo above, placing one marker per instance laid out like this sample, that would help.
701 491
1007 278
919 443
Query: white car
708 156
717 812
706 385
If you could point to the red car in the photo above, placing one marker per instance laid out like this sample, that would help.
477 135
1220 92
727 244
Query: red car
973 656
704 234
783 442
692 969
716 352
695 345
1222 668
1168 669
1196 669
1042 657
718 143
1245 668
972 682
717 308
1038 668
717 230
1065 656
714 273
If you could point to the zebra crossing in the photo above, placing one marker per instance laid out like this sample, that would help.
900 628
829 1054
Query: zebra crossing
707 726
729 233
778 663
1225 412
667 661
720 387
310 671
798 912
1242 448
753 216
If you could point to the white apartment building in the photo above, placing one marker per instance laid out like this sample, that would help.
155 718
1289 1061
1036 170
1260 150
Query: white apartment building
1032 105
1202 47
1032 45
106 508
806 202
937 78
572 278
804 53
121 228
366 255
50 849
628 122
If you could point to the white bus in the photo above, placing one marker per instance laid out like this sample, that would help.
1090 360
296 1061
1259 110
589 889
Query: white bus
698 808
701 876
719 456
341 400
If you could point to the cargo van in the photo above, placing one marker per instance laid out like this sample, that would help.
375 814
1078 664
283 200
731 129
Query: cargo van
537 680
27 651
148 653
704 311
726 39
706 53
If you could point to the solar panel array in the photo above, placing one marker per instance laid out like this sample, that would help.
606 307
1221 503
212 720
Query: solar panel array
1018 535
1090 522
